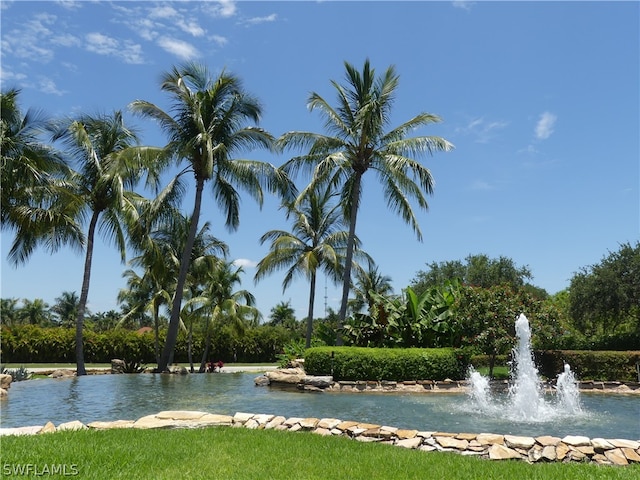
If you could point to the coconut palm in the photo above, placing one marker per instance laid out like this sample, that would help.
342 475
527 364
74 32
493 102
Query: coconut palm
66 308
369 282
316 241
208 126
100 146
35 312
358 141
33 194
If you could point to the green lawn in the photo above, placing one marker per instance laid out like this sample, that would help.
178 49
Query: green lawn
243 454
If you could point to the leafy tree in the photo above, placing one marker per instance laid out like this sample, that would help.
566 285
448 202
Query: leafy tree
315 242
477 270
605 298
103 188
487 317
207 127
358 142
9 311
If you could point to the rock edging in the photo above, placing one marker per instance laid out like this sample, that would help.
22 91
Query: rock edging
484 445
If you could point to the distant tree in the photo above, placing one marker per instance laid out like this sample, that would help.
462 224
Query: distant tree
35 312
477 270
9 311
605 298
283 314
369 282
66 308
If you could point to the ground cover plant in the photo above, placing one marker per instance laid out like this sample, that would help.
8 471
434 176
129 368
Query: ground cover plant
235 453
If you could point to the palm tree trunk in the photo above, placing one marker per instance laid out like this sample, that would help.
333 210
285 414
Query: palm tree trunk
207 345
156 325
312 297
174 323
346 279
84 295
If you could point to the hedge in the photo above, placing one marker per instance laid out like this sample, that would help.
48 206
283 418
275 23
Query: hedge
392 364
590 365
33 344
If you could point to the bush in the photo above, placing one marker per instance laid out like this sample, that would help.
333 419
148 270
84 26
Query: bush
392 364
590 365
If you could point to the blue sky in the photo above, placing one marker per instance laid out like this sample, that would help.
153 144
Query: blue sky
540 99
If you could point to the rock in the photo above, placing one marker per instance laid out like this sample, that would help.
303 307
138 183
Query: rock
3 393
600 444
546 440
177 370
562 449
616 456
110 425
32 430
513 441
180 414
74 425
275 422
286 375
262 381
329 423
622 443
500 452
631 455
404 433
576 441
309 423
490 439
549 453
409 442
450 442
215 419
117 366
48 428
62 373
5 381
241 417
317 381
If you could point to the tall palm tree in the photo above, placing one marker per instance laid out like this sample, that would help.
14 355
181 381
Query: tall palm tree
101 147
35 312
316 241
209 124
358 141
35 203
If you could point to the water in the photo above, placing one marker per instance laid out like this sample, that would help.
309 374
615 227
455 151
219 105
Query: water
129 397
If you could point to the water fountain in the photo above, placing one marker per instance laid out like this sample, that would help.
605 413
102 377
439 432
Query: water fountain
526 400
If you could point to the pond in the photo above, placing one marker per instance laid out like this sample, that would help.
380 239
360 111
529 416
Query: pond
129 397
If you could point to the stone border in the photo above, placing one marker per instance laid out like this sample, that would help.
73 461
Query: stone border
484 445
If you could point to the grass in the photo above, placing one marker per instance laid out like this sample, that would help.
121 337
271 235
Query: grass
243 454
500 372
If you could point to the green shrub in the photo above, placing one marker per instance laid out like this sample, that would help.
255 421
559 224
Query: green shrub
392 364
590 365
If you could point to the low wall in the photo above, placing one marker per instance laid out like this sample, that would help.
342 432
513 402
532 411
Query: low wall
485 445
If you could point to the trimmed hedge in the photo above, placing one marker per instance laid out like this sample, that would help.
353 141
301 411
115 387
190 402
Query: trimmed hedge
590 365
392 364
33 344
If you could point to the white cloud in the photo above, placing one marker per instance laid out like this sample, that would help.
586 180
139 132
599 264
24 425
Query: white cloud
463 4
164 11
544 127
191 27
244 262
220 40
46 85
109 46
222 8
481 129
179 48
256 20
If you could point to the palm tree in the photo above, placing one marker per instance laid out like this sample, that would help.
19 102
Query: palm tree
66 308
360 143
9 311
316 241
207 127
33 195
101 147
35 312
369 282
